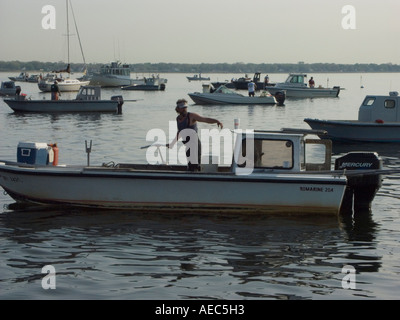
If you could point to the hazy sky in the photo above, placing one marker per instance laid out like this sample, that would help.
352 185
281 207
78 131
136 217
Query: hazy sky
205 31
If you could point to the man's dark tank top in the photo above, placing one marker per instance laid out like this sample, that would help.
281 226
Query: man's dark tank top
185 125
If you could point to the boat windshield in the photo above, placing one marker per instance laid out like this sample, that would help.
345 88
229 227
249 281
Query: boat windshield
225 90
271 154
115 71
296 79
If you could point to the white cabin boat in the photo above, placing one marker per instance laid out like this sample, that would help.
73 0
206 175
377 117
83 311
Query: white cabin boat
113 75
88 99
224 95
295 86
149 84
378 121
268 175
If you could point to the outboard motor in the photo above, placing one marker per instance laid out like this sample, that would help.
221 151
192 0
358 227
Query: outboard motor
361 188
280 97
120 100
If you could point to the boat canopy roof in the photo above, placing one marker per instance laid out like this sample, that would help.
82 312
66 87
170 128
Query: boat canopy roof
285 150
116 68
296 78
89 93
380 108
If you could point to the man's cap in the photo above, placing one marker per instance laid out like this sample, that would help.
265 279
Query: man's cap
182 105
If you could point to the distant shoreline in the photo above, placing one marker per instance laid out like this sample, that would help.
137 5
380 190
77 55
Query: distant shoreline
249 68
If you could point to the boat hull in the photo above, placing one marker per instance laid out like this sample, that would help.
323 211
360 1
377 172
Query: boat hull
145 87
215 98
64 87
306 92
51 106
198 79
162 191
347 130
109 81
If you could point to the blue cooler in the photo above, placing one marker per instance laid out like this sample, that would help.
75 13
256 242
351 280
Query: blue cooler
33 153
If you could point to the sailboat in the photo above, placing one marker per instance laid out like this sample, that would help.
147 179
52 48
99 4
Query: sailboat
65 84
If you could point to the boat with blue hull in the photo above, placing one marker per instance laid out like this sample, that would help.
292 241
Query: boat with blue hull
88 99
378 121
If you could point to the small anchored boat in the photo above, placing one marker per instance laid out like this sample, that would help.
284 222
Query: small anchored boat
268 174
114 74
242 82
378 121
23 77
88 99
296 87
150 84
224 95
198 77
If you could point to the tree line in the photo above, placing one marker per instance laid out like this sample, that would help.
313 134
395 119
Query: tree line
37 66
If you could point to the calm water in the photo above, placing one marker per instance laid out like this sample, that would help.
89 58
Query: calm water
124 255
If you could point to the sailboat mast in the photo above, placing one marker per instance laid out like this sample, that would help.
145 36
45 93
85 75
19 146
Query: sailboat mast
77 32
67 31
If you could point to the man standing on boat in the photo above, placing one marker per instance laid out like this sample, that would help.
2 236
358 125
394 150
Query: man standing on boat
252 87
266 81
55 91
311 82
186 120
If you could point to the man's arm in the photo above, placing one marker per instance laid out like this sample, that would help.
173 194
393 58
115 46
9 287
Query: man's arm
200 118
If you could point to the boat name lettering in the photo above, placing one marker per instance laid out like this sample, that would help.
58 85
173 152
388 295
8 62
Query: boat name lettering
317 189
356 165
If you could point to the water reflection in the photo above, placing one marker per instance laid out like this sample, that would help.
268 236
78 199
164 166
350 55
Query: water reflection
361 232
263 256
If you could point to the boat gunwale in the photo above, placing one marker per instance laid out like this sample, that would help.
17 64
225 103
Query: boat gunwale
354 123
326 177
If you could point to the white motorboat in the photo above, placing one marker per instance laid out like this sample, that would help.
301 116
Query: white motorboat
198 77
8 88
296 87
150 84
224 95
88 99
378 121
268 175
34 78
23 77
113 75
